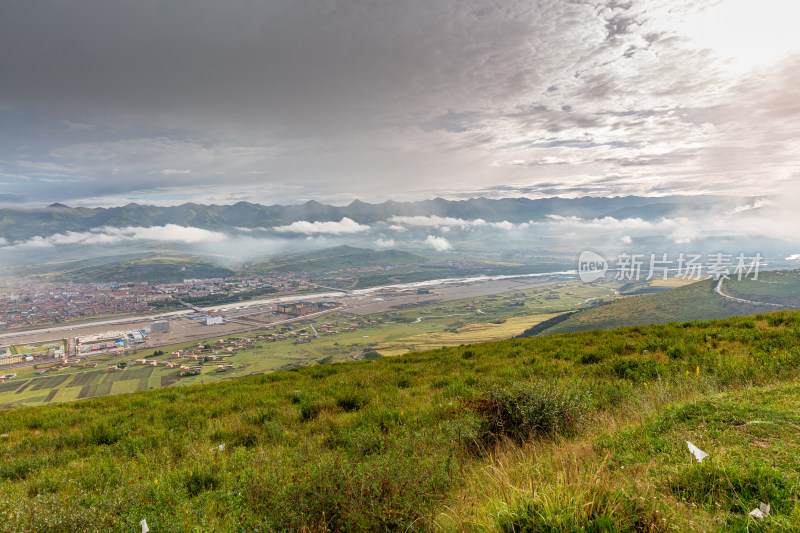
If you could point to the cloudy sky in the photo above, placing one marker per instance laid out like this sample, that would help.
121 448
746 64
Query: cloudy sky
280 101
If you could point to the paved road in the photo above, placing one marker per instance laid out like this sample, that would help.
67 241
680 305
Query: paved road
742 300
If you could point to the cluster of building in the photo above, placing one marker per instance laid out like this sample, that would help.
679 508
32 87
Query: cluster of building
305 308
114 341
27 301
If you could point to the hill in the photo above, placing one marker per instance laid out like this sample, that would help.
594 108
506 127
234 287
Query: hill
152 269
777 286
337 258
697 301
583 431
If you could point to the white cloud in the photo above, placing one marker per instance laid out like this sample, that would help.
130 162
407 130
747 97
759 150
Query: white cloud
385 243
440 244
175 171
626 239
346 225
447 223
111 235
433 221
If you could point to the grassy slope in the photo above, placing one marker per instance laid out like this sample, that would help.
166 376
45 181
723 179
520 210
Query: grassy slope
691 302
154 269
386 443
337 258
781 287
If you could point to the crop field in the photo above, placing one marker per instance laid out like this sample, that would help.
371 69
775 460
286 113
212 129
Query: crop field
416 328
476 332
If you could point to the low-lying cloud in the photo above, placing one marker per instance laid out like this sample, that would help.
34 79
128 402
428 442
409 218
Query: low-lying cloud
111 235
446 223
346 225
440 244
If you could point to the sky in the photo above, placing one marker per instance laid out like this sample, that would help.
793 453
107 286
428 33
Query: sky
104 103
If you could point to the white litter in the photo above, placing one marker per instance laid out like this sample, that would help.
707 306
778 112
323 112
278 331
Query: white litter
697 452
220 448
143 523
760 513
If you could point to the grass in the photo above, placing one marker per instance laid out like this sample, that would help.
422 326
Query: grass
696 301
780 287
398 443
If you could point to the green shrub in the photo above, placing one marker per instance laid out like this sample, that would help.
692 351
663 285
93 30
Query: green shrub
524 410
308 409
351 400
196 483
637 370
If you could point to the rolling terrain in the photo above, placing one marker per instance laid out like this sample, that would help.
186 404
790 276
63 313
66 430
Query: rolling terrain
696 301
585 431
336 258
167 269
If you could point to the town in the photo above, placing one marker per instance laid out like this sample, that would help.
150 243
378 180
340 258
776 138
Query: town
29 301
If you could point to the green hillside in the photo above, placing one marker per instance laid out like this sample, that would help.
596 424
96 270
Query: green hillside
153 269
584 431
697 301
338 258
779 287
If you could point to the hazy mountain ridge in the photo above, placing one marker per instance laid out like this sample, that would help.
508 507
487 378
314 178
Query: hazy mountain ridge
18 223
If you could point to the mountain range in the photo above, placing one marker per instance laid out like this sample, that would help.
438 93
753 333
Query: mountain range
19 223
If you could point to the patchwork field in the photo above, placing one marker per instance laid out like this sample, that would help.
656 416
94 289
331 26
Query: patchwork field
416 328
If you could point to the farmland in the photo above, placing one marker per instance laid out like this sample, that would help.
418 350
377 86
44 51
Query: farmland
412 328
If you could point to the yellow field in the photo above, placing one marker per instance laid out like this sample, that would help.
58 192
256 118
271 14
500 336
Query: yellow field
672 282
482 332
121 387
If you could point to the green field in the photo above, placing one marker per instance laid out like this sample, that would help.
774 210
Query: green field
574 432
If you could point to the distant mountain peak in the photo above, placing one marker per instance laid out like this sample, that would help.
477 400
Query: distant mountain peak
57 205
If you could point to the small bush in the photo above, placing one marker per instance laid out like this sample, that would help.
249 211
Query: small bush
308 410
19 469
637 370
102 434
351 400
525 410
199 482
